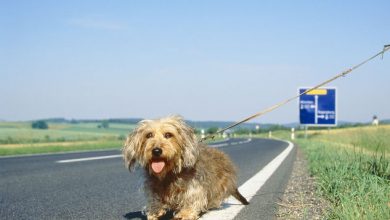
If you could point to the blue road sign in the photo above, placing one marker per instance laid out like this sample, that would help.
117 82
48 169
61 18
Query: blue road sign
318 107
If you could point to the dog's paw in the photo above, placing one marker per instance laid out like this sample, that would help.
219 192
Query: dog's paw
157 215
152 217
190 218
186 214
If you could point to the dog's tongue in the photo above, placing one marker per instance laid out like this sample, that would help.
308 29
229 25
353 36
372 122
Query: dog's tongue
158 166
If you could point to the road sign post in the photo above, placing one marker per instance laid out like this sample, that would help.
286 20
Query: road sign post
318 107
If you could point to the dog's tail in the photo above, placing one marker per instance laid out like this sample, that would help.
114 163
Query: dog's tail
236 194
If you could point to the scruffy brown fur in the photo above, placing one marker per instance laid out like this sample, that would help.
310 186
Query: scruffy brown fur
182 174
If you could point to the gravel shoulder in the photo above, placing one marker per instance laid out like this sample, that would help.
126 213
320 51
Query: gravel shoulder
301 199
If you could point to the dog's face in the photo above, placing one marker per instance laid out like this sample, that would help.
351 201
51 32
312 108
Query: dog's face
161 146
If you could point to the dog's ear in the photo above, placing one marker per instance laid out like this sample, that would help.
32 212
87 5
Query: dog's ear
189 143
132 147
129 151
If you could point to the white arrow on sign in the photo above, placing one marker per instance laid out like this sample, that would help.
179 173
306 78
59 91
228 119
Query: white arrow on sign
316 109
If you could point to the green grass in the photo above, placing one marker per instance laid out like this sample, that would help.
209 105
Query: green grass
119 129
356 180
55 148
26 135
366 137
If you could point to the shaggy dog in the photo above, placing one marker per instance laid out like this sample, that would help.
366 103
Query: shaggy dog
181 174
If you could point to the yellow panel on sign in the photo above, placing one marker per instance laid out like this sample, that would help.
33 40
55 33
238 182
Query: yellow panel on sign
318 92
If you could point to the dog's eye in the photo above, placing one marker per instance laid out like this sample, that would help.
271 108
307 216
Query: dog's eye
149 135
168 135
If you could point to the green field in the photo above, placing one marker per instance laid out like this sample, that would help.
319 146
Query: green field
364 138
20 138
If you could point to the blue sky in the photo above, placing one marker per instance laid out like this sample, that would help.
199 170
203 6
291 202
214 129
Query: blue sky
204 60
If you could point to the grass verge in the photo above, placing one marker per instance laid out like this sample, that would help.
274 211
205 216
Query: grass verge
357 184
351 167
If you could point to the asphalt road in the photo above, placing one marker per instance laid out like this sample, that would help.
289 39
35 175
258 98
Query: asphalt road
38 187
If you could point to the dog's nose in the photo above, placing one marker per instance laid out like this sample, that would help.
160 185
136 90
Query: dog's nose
156 151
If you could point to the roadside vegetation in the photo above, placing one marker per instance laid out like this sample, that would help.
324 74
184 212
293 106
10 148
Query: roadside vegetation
352 169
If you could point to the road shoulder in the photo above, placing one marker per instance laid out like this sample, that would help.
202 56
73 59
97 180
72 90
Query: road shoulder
300 199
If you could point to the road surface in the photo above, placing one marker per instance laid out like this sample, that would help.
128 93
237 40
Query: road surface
96 185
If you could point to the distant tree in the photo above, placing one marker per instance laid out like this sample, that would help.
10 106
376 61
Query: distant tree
212 130
276 128
39 125
104 124
74 121
243 131
196 131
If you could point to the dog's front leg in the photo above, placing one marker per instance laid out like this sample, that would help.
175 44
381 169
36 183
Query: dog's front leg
192 202
156 209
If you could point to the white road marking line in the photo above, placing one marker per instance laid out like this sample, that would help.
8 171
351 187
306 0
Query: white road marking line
231 144
231 207
221 141
119 155
88 159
